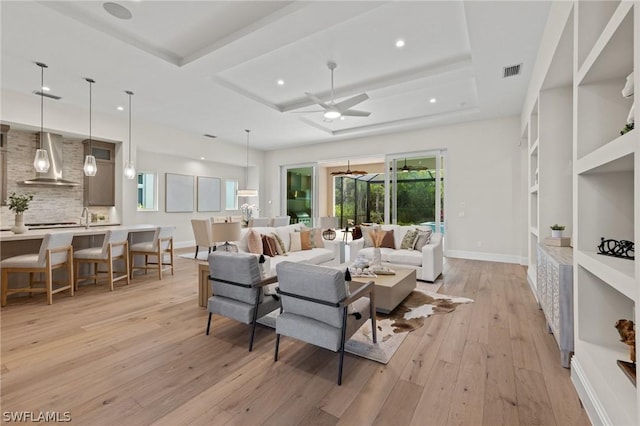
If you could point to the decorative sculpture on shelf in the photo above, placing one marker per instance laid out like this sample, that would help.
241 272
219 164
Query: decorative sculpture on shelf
628 336
623 248
627 92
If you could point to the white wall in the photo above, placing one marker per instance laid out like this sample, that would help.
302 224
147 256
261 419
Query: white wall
483 206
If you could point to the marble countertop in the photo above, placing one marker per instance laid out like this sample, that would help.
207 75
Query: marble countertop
34 234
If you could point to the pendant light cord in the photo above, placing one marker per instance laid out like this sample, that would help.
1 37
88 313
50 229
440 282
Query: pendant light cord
129 92
42 67
246 171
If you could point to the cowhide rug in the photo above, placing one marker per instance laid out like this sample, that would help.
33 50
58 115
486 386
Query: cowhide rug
393 328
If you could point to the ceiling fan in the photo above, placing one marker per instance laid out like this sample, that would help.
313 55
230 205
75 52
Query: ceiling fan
349 171
336 110
408 168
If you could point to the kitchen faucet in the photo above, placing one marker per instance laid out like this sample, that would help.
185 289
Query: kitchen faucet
86 216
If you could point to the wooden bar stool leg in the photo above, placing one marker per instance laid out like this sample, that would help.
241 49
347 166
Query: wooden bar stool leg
5 286
126 259
49 280
70 270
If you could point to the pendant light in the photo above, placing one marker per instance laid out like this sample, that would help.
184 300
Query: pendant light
129 168
247 192
41 161
90 168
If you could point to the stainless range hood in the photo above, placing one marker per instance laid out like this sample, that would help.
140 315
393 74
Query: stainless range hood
51 143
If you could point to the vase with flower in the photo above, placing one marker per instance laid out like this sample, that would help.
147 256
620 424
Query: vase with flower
19 204
247 211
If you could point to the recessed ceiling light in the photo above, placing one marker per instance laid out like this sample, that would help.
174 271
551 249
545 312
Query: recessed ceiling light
120 108
45 89
432 100
117 10
202 158
342 117
280 82
400 43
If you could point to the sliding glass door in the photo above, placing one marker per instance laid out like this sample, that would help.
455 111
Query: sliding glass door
300 188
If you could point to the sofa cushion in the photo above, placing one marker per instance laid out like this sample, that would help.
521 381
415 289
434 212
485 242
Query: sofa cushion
285 231
254 243
312 257
283 248
269 246
409 239
388 240
405 257
422 239
295 242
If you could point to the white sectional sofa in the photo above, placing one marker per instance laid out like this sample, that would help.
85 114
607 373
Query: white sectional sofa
329 255
427 261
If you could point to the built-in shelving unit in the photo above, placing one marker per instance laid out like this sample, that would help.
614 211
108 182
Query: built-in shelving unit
606 204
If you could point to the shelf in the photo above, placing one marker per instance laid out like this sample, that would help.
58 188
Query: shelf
593 17
613 389
534 189
615 156
534 231
617 273
612 53
533 151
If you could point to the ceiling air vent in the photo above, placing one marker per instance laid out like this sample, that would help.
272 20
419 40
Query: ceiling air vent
511 71
210 136
47 95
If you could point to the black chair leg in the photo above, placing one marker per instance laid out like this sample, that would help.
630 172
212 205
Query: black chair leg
342 342
196 256
275 358
209 324
255 318
372 313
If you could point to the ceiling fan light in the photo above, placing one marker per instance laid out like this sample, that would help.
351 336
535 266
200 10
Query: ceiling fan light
331 114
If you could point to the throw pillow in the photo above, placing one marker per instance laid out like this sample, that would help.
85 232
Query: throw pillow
409 240
422 239
296 243
305 240
276 244
269 246
316 238
283 248
356 233
387 240
254 242
367 234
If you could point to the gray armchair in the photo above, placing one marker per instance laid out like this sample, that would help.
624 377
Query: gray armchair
318 309
237 289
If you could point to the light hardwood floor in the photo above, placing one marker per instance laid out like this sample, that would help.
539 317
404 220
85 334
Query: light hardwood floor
139 356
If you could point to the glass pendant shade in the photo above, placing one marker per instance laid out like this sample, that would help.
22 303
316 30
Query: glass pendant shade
90 168
41 162
130 170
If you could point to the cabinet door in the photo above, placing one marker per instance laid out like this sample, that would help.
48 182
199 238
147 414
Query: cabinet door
101 187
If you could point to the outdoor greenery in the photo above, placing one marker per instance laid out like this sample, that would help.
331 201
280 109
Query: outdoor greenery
362 198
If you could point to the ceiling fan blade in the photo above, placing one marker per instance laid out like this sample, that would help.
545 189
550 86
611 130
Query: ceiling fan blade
348 103
308 112
317 100
356 113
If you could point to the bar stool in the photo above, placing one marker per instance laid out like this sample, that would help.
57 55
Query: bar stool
161 244
55 253
115 246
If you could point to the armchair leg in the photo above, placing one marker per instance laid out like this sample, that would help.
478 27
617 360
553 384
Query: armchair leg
275 358
372 314
342 342
255 318
209 324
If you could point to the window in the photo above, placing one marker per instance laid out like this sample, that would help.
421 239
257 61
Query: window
231 198
147 191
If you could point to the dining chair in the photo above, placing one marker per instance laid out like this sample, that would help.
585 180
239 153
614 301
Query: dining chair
202 234
55 252
158 247
115 246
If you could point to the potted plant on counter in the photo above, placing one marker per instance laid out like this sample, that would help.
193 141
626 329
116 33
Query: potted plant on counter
19 204
556 230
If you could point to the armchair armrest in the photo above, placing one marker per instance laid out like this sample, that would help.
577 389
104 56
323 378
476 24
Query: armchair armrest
367 288
267 281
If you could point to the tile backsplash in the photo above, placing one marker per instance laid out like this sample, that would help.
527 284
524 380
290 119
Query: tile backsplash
50 204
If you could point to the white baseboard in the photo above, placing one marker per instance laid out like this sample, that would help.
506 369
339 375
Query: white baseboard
489 257
596 413
533 283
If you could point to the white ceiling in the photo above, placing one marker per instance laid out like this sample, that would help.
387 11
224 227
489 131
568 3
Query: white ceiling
212 66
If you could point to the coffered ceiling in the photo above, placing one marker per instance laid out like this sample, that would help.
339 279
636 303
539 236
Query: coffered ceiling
212 67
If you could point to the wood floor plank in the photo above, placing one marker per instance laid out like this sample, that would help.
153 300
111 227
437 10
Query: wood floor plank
139 356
